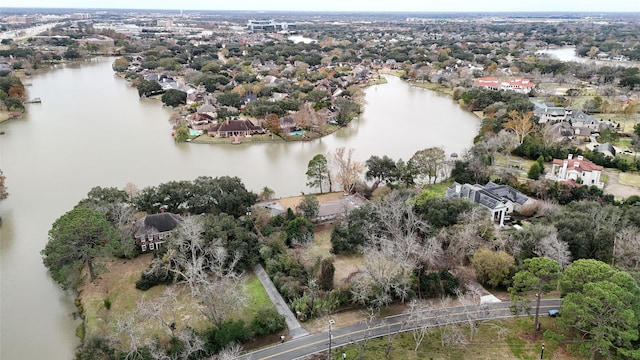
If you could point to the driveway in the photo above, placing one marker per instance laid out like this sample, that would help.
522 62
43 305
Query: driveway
295 329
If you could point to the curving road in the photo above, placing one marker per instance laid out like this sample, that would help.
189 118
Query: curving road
316 343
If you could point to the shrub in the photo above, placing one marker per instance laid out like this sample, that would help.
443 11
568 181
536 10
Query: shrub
529 210
95 348
326 273
299 230
534 171
436 284
153 277
229 332
266 322
107 304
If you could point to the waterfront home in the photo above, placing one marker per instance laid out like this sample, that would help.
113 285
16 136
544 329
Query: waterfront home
500 200
152 230
338 209
234 128
523 86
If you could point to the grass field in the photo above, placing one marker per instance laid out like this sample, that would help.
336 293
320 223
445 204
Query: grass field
509 339
631 179
118 285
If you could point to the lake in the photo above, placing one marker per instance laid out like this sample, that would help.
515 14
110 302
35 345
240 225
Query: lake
92 130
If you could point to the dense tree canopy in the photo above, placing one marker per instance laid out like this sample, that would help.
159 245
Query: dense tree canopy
148 88
381 170
538 275
173 97
589 228
75 240
205 194
601 310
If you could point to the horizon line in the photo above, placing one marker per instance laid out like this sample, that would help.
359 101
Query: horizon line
335 11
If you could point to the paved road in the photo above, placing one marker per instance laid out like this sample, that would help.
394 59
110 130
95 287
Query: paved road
316 343
20 34
295 329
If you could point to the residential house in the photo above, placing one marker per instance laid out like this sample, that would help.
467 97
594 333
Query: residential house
549 113
579 119
287 124
234 128
499 199
338 209
274 207
152 230
522 86
572 169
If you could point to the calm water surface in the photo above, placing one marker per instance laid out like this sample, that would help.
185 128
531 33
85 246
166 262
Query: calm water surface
91 129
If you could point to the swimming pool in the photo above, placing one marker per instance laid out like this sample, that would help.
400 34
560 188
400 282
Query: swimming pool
194 132
299 132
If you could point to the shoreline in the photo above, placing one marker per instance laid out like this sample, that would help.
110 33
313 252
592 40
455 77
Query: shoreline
224 141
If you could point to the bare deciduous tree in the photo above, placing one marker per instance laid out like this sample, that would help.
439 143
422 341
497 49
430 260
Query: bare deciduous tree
222 291
520 124
467 236
394 250
187 254
547 209
162 310
346 169
552 247
134 329
452 336
230 352
419 327
132 190
371 315
626 248
189 345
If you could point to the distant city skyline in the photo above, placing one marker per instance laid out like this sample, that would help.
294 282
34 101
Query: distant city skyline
341 5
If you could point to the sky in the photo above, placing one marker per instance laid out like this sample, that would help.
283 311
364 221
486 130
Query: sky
346 5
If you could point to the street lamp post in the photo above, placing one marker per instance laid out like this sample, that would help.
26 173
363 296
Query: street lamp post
331 322
542 351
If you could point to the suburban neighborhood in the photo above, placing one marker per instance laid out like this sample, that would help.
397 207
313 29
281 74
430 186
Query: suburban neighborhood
239 209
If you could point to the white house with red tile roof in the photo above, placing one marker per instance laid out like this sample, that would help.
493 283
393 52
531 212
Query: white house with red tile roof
523 86
574 168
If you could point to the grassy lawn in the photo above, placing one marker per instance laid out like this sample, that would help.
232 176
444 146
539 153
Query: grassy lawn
258 298
398 73
520 166
206 139
488 343
345 265
624 143
378 81
433 86
626 122
259 138
438 189
118 285
632 179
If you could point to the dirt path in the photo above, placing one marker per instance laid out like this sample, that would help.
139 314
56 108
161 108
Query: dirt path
619 190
